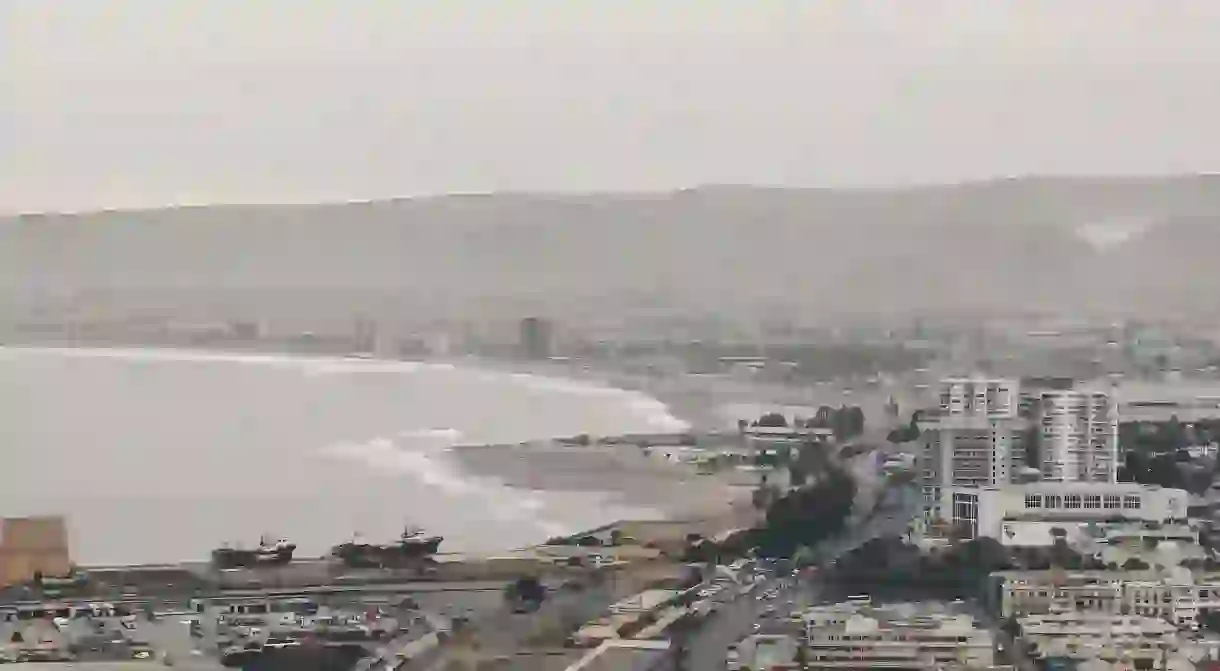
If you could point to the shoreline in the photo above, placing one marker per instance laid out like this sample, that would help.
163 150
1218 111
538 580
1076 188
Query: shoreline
620 476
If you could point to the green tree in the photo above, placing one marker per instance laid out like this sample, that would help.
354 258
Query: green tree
772 419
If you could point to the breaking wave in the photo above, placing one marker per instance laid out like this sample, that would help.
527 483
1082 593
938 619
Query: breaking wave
420 454
655 413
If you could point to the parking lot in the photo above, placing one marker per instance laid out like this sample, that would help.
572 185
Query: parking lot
103 632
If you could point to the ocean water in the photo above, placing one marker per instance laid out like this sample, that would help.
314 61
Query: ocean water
162 455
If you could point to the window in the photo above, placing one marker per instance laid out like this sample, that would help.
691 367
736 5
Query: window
1033 501
1072 501
1092 501
1113 502
1131 502
1054 501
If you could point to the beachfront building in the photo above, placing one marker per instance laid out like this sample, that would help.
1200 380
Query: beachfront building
859 635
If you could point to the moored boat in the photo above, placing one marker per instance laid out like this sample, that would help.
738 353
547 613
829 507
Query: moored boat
268 553
412 547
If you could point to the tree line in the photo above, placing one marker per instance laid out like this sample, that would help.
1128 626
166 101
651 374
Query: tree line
846 422
1154 453
795 521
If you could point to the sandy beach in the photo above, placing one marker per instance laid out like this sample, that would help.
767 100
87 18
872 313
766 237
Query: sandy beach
623 473
627 476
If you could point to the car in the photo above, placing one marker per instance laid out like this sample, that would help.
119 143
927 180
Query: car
732 659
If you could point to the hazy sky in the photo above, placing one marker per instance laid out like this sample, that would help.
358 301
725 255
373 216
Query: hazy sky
148 102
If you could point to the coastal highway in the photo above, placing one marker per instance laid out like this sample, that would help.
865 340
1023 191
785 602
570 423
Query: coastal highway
505 633
708 644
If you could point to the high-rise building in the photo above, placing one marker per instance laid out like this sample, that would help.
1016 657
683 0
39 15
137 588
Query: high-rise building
986 429
975 439
992 398
1077 436
968 452
536 338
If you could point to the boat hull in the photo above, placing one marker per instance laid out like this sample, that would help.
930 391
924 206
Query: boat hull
226 558
362 555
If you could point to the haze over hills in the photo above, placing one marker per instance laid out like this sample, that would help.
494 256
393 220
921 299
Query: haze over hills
1131 244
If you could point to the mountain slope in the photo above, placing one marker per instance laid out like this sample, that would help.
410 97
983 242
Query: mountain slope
1004 245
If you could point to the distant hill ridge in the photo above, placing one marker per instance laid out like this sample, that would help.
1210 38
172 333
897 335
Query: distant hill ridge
1000 244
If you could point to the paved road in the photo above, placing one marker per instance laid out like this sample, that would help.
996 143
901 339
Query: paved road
734 621
504 632
710 642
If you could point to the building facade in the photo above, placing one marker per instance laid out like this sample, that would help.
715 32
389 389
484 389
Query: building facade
1111 638
1077 436
986 431
975 438
967 452
981 397
861 636
1175 596
31 546
982 511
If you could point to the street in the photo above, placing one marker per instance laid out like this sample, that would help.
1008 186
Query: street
501 632
733 621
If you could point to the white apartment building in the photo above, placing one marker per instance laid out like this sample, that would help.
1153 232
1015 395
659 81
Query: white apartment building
967 452
974 439
854 635
981 432
979 396
1090 635
1078 436
983 511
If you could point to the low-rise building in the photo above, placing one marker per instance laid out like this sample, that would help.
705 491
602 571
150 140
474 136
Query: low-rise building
1173 595
1104 636
983 511
1019 593
856 635
764 438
